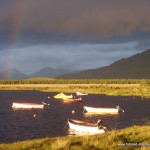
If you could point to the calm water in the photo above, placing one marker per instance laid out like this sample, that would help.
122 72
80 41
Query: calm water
21 125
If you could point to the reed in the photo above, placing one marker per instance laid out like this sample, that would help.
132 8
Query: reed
136 137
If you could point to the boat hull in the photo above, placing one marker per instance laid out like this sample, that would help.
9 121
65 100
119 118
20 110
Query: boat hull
27 106
72 100
62 96
83 127
81 94
101 110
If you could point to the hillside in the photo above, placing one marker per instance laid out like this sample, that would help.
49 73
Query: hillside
49 72
12 74
136 66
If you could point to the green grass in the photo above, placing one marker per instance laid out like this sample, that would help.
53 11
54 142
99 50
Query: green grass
115 89
129 138
137 87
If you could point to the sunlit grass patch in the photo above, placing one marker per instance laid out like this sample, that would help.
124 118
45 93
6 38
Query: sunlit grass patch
128 138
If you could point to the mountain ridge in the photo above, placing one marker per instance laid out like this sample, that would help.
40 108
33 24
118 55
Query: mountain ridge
14 74
49 72
11 74
136 66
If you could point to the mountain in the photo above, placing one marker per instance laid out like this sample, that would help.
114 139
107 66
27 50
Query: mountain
136 67
49 72
12 74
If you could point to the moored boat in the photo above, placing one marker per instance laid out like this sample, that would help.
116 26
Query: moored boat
86 127
21 105
103 110
72 100
80 94
62 96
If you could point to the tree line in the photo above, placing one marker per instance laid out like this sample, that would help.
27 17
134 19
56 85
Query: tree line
76 81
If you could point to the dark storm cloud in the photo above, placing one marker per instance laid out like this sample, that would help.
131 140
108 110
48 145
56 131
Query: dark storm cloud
73 57
82 18
74 34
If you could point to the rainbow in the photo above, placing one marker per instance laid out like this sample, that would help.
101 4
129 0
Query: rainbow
21 9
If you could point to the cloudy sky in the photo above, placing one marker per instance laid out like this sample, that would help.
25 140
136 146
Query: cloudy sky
71 34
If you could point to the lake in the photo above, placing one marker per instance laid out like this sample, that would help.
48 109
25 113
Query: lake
18 125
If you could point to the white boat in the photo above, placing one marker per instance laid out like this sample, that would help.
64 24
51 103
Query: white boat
63 96
103 110
21 105
80 94
85 127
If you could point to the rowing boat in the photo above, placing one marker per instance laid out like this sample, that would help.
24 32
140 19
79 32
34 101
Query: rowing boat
62 96
21 105
80 94
103 110
86 127
72 100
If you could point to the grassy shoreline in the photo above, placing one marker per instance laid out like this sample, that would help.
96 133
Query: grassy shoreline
108 89
136 137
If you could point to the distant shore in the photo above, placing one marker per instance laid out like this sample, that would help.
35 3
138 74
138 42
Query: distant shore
108 89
